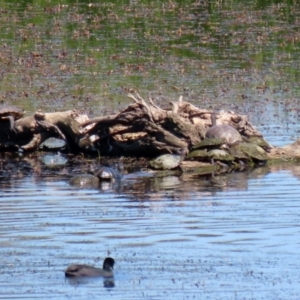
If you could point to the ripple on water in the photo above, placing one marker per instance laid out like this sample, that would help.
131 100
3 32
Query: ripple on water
237 242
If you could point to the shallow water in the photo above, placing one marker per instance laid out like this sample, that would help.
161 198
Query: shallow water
229 237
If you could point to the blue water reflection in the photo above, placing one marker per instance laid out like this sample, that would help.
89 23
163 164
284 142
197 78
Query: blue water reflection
233 242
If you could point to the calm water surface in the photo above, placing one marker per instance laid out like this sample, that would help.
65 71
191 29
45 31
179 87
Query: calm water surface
228 237
233 236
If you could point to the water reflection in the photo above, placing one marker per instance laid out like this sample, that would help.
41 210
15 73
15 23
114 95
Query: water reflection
188 231
76 281
54 160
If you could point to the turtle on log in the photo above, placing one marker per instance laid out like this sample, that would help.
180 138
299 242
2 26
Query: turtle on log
259 141
168 161
225 132
249 153
210 143
219 157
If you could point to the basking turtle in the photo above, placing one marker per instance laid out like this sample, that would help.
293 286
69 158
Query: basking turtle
10 113
239 155
168 161
220 155
249 152
216 156
226 132
107 173
259 141
198 154
93 180
210 143
86 181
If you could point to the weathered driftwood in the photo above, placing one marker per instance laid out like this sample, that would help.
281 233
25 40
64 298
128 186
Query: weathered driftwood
145 128
141 129
31 131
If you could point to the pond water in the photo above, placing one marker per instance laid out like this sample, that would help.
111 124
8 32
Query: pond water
231 236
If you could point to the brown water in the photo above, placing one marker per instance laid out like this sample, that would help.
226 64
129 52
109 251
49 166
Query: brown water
233 236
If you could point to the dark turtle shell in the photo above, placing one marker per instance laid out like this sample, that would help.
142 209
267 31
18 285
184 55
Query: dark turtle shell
225 132
254 151
209 143
259 141
238 153
107 173
212 155
198 154
248 151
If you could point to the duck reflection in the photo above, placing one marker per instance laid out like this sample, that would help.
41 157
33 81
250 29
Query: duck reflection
75 281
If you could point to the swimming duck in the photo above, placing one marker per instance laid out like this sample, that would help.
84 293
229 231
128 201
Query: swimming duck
85 270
